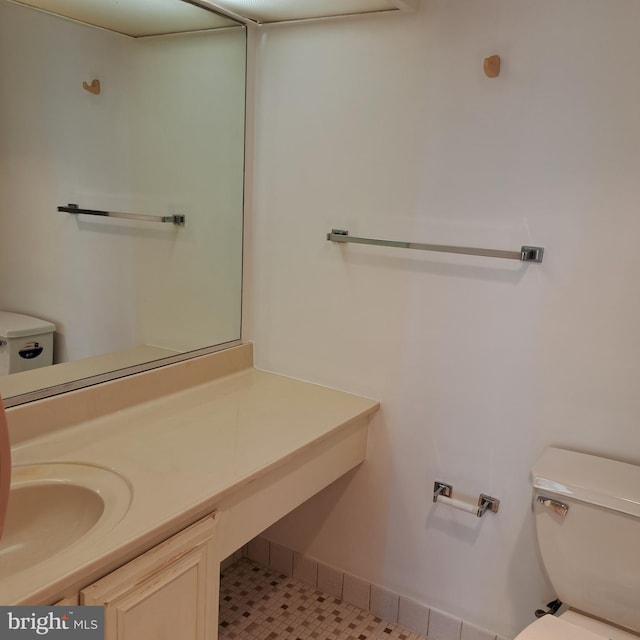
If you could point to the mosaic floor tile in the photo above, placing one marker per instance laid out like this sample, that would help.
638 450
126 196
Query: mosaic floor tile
257 603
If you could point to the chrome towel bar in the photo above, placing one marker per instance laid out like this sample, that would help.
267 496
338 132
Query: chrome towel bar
526 253
442 493
178 219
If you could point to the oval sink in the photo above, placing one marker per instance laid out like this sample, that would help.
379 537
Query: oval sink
52 506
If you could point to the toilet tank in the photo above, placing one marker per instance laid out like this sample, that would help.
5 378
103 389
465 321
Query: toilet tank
25 342
592 553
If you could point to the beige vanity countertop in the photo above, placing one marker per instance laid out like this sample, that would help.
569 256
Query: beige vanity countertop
181 454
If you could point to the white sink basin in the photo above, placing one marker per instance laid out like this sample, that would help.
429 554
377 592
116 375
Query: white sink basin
52 506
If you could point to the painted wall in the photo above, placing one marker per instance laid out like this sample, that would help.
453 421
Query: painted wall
387 127
165 135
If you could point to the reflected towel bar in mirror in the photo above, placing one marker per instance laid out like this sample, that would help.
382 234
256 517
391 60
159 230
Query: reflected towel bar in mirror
178 219
526 254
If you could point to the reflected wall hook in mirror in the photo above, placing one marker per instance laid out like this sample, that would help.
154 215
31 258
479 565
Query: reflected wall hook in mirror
94 87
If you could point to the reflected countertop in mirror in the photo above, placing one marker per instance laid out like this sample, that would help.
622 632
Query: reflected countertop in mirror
151 125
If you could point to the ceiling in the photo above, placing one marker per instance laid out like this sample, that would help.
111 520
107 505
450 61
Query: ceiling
140 18
270 11
136 18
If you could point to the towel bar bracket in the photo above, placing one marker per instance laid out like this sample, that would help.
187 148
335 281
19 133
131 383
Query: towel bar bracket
531 254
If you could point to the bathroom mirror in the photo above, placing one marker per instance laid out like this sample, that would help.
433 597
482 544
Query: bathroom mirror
139 112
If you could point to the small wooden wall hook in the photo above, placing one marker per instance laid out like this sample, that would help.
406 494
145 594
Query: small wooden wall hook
492 66
94 87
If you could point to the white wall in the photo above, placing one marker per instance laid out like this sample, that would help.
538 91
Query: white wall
388 127
165 135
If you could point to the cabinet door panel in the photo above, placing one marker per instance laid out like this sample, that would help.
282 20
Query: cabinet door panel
168 608
169 592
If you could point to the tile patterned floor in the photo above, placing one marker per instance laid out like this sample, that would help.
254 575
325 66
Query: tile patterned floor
257 603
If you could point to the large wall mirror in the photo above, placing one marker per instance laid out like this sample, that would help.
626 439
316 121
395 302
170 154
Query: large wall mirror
138 112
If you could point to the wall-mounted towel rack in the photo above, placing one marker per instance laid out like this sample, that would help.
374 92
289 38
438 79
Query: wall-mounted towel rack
526 253
442 493
178 219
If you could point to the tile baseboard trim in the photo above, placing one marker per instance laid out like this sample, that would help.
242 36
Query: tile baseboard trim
385 604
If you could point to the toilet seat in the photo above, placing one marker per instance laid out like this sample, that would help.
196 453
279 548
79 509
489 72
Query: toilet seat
571 625
552 628
597 626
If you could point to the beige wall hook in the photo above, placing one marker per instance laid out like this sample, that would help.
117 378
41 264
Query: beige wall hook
492 66
94 87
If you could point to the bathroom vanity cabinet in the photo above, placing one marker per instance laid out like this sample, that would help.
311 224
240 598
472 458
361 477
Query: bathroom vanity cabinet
170 591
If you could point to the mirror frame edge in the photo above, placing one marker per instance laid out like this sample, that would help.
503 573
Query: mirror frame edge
90 381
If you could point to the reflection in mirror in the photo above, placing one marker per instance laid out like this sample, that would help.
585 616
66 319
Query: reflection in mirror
136 18
159 133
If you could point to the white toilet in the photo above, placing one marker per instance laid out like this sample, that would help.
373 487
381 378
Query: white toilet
25 342
587 515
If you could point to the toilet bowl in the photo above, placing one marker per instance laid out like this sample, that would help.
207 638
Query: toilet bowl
587 519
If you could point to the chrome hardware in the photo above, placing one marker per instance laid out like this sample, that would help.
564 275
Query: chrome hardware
441 489
178 218
442 493
487 503
552 608
526 253
531 254
555 505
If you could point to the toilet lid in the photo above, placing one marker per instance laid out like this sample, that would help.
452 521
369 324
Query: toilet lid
552 628
17 325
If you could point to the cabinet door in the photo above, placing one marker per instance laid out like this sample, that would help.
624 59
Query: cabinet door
168 593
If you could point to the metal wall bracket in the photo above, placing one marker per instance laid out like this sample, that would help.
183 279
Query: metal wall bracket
531 254
441 489
487 503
